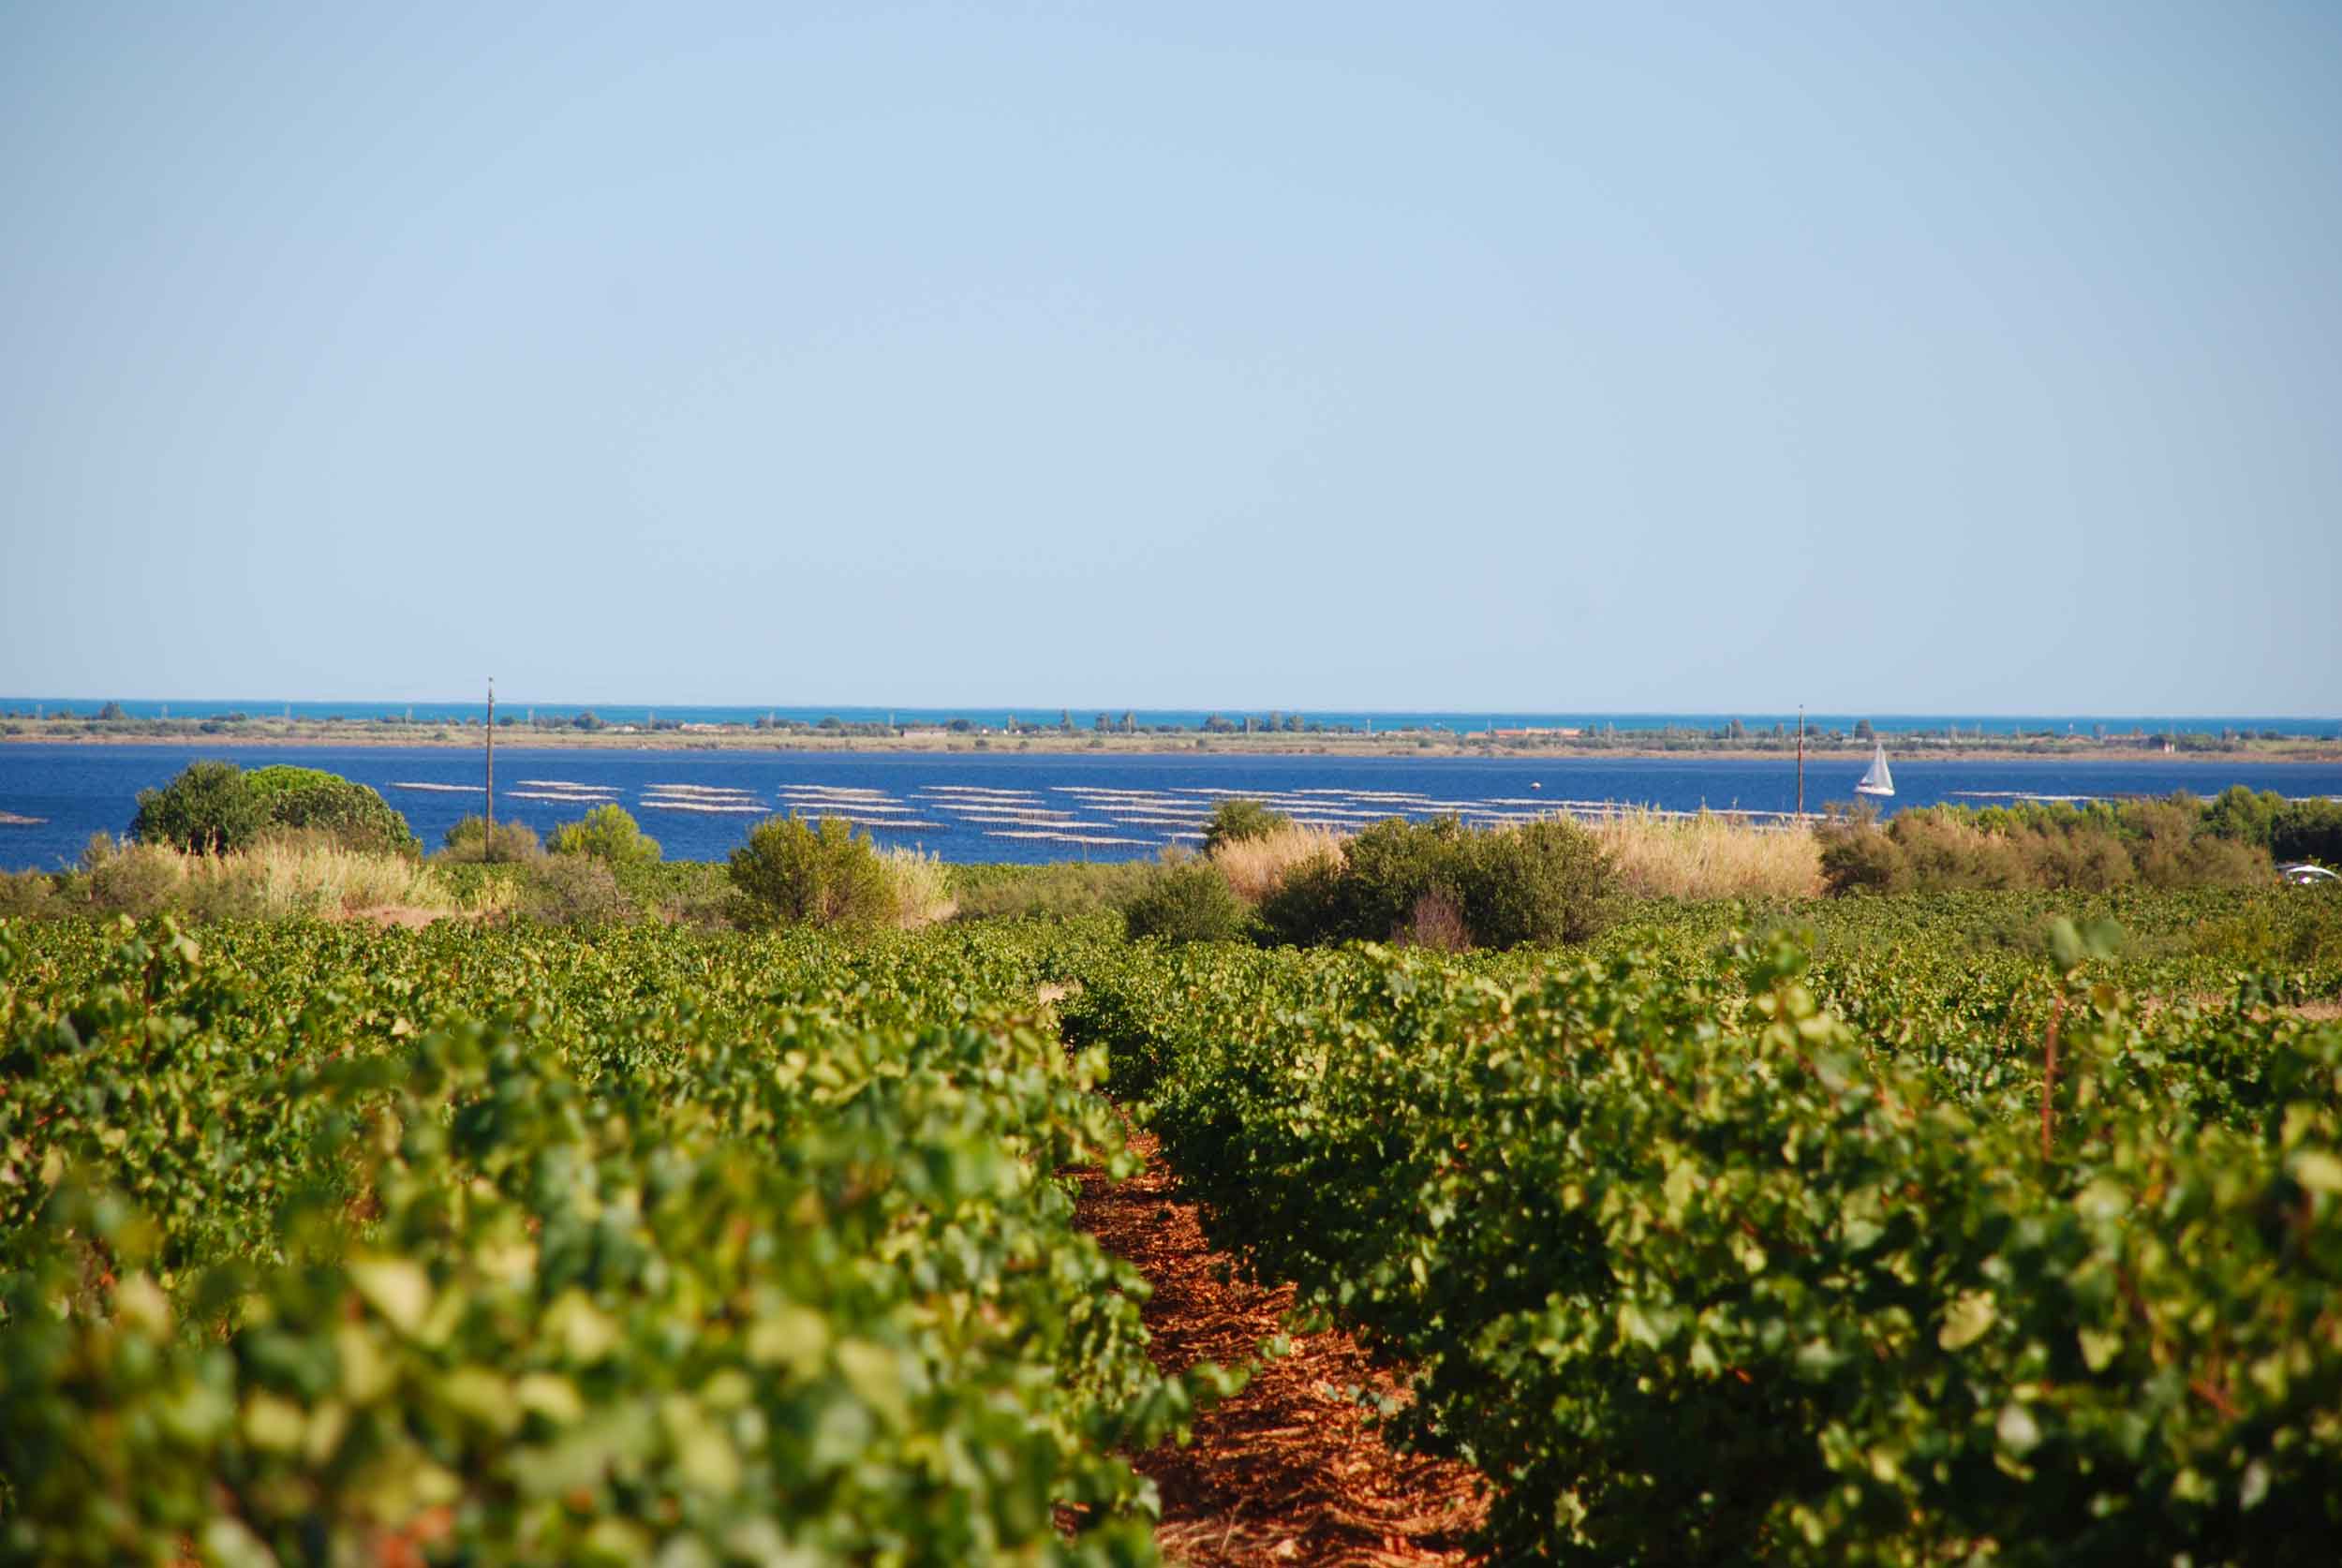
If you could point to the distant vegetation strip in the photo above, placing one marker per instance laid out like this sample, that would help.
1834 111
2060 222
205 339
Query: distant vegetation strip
1126 733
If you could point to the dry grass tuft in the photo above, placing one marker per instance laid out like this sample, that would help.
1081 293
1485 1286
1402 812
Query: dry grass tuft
1256 867
922 886
297 874
1710 856
307 876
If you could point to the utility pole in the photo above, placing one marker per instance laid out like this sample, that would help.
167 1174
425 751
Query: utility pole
1800 762
488 847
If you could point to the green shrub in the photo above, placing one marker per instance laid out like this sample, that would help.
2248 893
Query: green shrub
792 871
1440 884
1236 818
2174 843
352 814
2307 830
469 840
575 890
678 891
1060 890
608 834
133 878
2249 817
208 809
1388 871
28 894
1542 882
1856 856
1186 901
1307 906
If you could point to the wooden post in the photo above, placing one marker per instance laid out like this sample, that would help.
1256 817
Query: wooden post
1800 762
488 849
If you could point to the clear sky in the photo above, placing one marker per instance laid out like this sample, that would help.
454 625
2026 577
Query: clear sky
1960 358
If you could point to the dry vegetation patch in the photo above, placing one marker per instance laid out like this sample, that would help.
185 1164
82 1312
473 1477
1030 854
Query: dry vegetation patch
1256 867
1290 1469
1712 855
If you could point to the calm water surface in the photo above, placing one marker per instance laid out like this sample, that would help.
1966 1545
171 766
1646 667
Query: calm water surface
969 807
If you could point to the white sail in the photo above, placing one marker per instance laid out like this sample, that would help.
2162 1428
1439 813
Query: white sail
1879 781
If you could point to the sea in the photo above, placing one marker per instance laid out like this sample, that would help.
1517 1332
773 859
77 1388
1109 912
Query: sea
1006 806
1455 722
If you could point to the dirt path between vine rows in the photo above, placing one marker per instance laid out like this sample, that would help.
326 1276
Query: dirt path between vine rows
1289 1471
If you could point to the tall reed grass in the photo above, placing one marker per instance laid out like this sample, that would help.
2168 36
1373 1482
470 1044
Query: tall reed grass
922 886
1256 867
292 873
1710 856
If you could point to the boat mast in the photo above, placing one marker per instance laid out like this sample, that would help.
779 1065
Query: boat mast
488 845
1800 762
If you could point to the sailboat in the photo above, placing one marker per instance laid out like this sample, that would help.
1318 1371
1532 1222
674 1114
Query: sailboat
1879 781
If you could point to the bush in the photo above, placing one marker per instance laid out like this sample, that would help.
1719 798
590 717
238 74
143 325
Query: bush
608 834
133 878
1237 819
1856 856
575 890
1544 882
679 892
792 871
1060 890
1442 884
467 841
1307 906
2174 843
28 896
354 816
1388 869
2307 830
208 809
1186 901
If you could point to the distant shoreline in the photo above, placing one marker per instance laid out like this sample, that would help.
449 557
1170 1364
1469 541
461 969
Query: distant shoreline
740 738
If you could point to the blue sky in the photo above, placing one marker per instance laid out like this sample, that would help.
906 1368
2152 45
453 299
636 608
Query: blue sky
1896 358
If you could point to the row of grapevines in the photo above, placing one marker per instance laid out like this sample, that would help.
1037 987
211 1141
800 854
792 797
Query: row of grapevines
319 1245
1697 1271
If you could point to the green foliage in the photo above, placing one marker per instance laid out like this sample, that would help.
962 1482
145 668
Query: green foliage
1542 882
607 833
125 877
2307 830
208 809
1794 1251
1237 817
573 890
2239 813
352 814
28 894
1057 891
2174 843
469 841
1187 901
794 872
499 1245
679 892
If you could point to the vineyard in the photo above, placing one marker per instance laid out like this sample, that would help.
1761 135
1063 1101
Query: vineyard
1912 1230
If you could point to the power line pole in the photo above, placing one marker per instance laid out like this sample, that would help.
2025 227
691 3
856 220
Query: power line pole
1800 762
488 849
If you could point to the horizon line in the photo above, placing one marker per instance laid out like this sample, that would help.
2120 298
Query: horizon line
1810 709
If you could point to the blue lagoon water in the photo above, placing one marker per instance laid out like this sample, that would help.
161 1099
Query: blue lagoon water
1030 806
